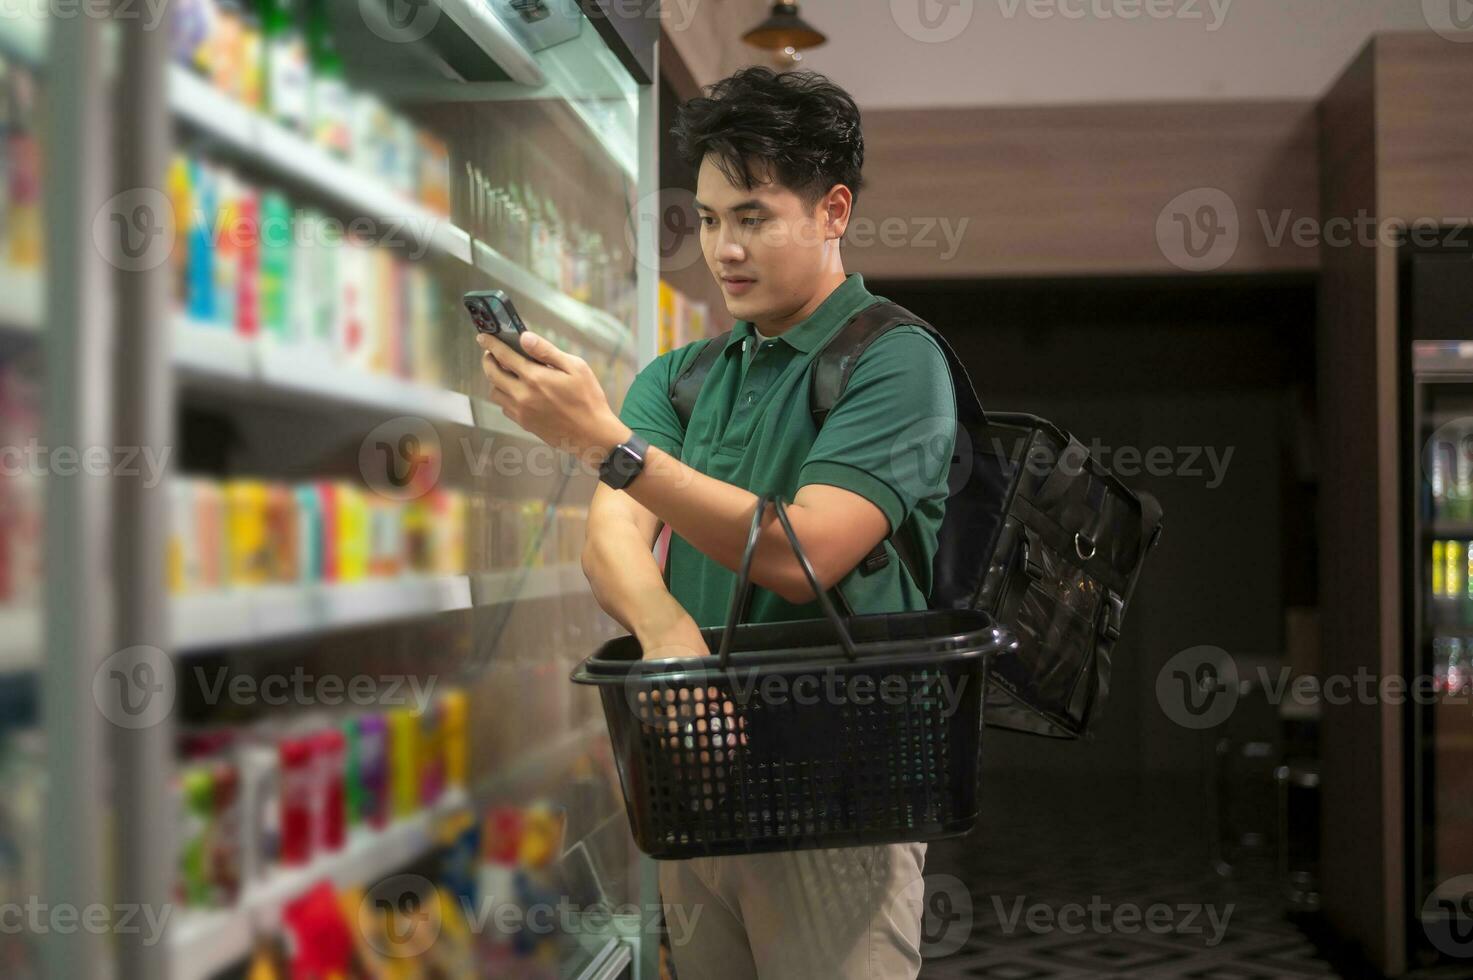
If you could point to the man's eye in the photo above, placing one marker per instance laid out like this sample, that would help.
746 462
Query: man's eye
707 220
751 222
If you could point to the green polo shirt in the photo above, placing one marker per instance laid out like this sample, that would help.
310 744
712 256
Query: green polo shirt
888 438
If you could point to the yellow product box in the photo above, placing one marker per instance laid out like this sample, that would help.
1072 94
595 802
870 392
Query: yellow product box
352 533
246 545
665 338
404 761
457 738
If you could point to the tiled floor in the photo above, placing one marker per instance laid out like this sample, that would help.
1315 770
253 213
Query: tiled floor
1061 882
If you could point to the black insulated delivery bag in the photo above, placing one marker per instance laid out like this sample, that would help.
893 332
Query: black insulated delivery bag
1065 553
1036 533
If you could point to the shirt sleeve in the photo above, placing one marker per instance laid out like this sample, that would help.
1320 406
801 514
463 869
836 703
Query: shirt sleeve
891 434
647 409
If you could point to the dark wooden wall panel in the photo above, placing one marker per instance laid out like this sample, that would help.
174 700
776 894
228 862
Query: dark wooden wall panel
1425 126
1077 190
1353 516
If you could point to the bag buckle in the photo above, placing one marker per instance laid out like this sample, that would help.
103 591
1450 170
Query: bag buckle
875 560
1112 614
1032 567
1080 543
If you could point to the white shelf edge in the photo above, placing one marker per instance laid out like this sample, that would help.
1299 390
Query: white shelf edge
20 639
220 355
205 942
292 369
279 611
272 612
217 114
213 351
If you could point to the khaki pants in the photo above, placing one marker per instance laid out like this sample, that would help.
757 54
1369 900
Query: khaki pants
849 913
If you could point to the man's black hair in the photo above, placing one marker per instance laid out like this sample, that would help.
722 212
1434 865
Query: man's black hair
800 124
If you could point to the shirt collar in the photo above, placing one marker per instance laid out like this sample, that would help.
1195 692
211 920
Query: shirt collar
846 300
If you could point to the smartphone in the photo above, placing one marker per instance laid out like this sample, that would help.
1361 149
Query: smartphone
493 312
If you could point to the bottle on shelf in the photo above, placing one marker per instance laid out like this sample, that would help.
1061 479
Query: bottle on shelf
287 82
20 231
331 101
1459 503
519 231
250 61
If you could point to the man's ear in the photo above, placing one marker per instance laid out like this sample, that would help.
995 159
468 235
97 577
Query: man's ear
836 208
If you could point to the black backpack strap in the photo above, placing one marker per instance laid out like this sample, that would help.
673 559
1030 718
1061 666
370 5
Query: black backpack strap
837 361
686 387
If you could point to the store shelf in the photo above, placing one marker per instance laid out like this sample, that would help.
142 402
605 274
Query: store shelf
288 369
250 134
593 323
204 943
211 356
20 639
21 299
273 612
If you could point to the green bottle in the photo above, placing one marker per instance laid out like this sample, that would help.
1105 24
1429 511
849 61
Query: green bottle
357 799
284 49
331 102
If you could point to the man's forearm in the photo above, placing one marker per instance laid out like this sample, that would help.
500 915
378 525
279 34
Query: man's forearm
714 517
626 580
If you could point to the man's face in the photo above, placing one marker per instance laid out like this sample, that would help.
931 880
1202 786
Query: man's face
764 246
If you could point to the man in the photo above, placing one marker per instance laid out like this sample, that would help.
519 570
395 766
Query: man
780 157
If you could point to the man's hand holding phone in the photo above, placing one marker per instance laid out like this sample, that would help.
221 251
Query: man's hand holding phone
550 393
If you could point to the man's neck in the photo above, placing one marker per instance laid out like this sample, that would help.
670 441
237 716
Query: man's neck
777 326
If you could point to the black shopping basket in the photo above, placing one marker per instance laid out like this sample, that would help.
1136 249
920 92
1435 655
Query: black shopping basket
828 732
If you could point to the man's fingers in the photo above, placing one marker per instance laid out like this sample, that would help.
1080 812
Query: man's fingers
504 354
499 376
539 347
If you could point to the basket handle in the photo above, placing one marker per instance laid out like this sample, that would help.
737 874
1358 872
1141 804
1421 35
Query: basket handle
743 585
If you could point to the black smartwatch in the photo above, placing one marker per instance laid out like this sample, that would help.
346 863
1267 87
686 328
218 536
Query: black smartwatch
624 463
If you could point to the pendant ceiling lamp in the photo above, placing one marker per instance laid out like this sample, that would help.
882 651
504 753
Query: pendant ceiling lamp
784 31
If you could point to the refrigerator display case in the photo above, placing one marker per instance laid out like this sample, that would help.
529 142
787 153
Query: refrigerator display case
1436 297
308 668
28 504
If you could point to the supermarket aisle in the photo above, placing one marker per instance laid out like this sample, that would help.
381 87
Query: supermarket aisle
1052 858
